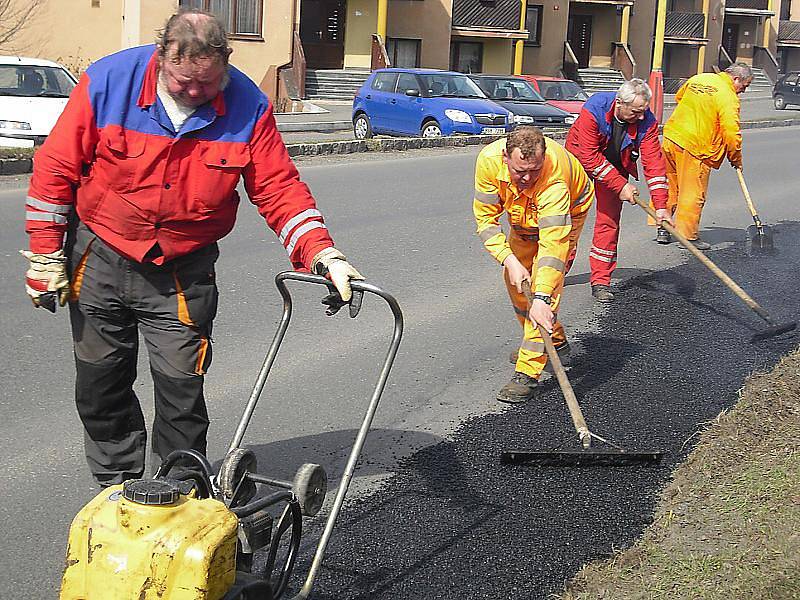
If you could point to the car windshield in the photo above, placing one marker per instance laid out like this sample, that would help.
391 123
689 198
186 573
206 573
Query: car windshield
562 90
498 88
450 86
34 81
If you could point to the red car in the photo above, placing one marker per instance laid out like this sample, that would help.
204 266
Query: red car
562 93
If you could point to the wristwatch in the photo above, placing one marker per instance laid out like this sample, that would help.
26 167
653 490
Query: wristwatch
544 298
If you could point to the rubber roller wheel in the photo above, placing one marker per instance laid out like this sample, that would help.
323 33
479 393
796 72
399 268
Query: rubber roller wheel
309 487
234 467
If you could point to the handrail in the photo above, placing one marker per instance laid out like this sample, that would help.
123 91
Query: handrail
569 52
379 57
570 62
628 66
724 54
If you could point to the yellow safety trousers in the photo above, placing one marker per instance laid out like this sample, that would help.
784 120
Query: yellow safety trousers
687 177
532 355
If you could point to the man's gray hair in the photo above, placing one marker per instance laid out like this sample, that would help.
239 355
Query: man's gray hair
194 34
741 70
632 89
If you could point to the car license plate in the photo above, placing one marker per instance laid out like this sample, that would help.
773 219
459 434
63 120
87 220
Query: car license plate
492 130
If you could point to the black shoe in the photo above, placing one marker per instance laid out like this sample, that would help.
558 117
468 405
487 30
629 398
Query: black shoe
520 389
701 245
663 236
602 293
564 353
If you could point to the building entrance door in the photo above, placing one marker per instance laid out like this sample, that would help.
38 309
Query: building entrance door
730 39
322 33
579 36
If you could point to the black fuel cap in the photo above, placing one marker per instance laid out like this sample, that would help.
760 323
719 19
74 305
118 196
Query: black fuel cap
152 492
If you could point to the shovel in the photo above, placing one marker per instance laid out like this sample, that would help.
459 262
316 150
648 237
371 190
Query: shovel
773 329
759 235
574 458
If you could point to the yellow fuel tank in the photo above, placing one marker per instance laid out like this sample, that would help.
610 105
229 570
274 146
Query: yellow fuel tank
144 540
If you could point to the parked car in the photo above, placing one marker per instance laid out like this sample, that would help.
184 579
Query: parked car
33 92
519 98
787 90
424 102
561 93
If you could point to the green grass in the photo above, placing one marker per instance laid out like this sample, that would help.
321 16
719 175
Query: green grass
17 152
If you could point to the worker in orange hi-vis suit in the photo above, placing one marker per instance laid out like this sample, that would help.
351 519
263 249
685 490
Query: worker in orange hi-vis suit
547 195
702 130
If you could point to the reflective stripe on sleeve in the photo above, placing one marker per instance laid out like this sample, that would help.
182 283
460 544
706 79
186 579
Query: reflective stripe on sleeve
658 179
659 186
604 165
531 346
585 195
554 221
47 217
302 230
61 209
605 171
296 220
489 233
552 262
486 198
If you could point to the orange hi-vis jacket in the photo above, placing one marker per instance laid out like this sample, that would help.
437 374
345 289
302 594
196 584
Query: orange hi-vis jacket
705 122
542 213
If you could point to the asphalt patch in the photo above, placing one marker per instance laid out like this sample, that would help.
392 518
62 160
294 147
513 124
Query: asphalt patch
670 353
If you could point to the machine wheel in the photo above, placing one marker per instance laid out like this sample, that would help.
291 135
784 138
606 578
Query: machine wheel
780 102
362 130
431 129
234 467
309 487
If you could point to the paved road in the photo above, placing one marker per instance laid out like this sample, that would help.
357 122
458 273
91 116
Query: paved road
406 223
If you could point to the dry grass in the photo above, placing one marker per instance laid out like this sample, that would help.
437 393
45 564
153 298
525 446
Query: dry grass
728 525
16 152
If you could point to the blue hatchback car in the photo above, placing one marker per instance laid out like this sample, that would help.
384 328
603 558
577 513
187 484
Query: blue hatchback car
427 103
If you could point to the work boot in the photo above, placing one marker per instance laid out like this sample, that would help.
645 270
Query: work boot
520 389
602 293
663 236
701 245
564 353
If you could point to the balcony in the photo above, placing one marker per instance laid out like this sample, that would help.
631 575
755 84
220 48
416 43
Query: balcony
685 28
748 7
486 15
789 34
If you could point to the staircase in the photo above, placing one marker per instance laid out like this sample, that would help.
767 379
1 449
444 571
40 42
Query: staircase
334 84
599 79
761 83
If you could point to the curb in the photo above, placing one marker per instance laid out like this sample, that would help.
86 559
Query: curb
15 166
318 126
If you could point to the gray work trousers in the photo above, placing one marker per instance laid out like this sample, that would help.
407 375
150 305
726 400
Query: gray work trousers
173 306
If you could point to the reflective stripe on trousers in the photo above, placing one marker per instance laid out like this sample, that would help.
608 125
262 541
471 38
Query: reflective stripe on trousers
532 357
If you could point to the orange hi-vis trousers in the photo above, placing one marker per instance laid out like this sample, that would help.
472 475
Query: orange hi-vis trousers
532 355
687 176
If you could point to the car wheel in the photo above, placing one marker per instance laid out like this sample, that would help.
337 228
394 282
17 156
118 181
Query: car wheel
361 127
431 129
780 103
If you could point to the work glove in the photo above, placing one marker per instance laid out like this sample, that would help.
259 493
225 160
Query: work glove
333 264
46 279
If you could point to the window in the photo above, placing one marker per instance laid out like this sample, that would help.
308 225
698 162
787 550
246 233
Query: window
403 54
533 23
384 82
466 57
406 81
241 17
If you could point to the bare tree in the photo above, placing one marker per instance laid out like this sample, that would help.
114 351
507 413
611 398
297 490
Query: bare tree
14 16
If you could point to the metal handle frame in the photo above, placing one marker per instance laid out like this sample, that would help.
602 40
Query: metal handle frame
358 286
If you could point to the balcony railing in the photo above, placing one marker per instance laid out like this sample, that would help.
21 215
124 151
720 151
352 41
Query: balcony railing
682 25
502 14
747 5
789 33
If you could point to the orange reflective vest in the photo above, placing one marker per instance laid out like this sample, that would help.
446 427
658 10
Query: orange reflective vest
705 122
543 212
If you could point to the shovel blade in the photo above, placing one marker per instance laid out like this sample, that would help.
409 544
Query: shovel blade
579 458
760 239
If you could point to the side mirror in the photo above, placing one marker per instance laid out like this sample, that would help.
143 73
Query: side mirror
412 92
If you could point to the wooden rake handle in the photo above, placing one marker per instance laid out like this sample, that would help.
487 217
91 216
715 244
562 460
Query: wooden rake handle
730 283
747 197
575 412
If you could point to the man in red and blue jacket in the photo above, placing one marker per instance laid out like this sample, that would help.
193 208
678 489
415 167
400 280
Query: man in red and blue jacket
140 174
611 133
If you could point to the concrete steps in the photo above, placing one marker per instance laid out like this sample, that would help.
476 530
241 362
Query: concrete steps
599 79
761 83
334 84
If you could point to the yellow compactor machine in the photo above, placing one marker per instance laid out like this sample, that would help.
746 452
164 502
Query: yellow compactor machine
190 534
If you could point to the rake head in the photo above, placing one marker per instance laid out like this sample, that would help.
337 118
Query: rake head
579 458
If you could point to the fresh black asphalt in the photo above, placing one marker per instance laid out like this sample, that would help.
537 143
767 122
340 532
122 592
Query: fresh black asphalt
667 357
